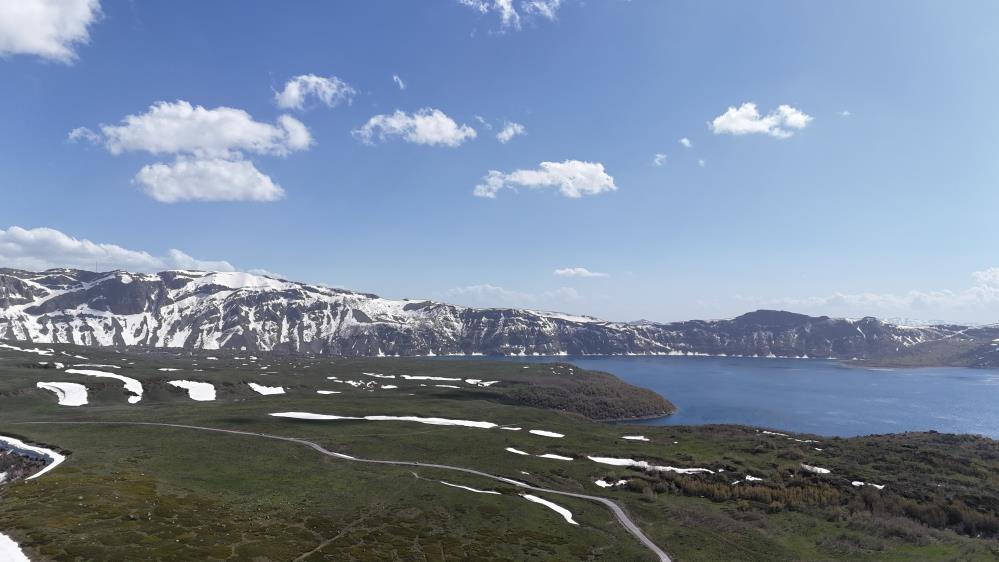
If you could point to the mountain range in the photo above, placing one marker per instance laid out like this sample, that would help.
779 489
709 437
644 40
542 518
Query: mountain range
240 311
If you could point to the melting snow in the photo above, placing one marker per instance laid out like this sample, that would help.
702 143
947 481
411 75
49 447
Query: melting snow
265 390
45 352
131 385
55 458
544 433
200 391
517 451
426 378
328 392
815 469
96 366
379 375
430 421
556 457
553 506
10 551
858 484
68 393
646 466
606 484
635 437
469 489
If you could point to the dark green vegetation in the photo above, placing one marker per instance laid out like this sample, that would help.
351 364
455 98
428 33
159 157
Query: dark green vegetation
155 493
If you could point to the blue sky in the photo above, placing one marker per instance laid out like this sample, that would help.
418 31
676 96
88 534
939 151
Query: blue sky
881 200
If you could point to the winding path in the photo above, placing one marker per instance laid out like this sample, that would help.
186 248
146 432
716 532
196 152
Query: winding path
615 508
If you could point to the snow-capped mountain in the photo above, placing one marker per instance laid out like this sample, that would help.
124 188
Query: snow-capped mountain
210 310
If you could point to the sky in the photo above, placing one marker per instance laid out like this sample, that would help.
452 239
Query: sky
642 159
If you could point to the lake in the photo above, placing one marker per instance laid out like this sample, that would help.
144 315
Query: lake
810 396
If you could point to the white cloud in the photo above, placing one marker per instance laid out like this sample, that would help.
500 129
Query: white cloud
659 159
510 11
211 179
702 162
398 82
50 29
45 248
330 91
210 145
578 272
510 130
968 303
494 296
572 178
746 120
426 126
845 113
182 128
686 142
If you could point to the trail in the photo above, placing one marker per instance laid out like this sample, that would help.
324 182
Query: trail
615 508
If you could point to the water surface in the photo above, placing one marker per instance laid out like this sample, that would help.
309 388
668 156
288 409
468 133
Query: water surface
813 396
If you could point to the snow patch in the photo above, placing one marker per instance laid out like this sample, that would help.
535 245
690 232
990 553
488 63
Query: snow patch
469 489
266 390
565 513
200 391
68 393
544 433
131 385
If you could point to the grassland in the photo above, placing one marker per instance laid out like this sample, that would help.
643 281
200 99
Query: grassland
154 493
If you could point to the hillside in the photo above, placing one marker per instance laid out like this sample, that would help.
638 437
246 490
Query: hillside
239 311
129 489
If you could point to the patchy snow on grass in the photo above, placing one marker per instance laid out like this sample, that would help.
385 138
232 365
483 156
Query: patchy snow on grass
606 484
554 456
858 484
68 393
646 466
750 478
328 392
427 378
544 433
131 385
518 451
55 459
389 386
469 489
96 366
10 551
200 391
378 375
480 382
446 386
635 437
168 369
416 419
266 390
36 351
509 428
815 469
565 513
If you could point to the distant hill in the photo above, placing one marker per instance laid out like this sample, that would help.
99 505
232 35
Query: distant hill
211 310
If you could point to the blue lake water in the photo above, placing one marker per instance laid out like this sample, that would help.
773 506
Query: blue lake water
811 396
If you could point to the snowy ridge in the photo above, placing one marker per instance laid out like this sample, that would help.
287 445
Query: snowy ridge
237 311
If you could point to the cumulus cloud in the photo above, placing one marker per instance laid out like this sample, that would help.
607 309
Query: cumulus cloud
685 142
182 128
213 179
659 159
747 120
572 178
398 81
427 126
38 249
578 272
510 11
51 29
330 91
510 130
210 147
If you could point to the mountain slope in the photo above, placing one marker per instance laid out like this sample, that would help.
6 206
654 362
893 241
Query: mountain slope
205 310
